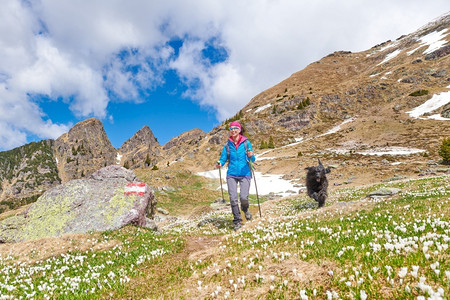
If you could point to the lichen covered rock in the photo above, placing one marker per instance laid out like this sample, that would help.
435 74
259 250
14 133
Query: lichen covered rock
109 199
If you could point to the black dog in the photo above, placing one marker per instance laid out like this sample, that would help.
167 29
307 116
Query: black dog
317 183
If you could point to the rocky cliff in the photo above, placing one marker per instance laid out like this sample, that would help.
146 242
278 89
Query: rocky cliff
185 145
26 172
83 150
141 150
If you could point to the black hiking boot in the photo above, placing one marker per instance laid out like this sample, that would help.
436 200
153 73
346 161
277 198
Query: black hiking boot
248 215
237 226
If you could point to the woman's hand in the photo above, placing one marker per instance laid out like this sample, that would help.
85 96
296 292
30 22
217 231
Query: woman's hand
249 153
218 164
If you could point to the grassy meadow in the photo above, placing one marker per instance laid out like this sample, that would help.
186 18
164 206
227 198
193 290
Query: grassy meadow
353 248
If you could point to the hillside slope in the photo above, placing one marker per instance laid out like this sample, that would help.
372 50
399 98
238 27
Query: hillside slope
349 105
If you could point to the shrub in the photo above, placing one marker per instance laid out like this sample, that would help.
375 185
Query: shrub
155 167
236 117
304 103
444 151
263 145
147 160
271 145
419 93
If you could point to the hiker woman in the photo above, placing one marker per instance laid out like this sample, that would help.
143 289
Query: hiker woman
238 152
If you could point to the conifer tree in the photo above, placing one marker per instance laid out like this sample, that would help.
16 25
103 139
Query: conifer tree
444 150
271 144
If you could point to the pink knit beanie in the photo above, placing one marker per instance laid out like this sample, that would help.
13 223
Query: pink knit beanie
235 123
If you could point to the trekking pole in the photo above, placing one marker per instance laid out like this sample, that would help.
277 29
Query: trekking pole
256 187
221 188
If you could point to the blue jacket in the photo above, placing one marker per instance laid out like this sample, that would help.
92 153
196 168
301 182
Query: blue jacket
238 162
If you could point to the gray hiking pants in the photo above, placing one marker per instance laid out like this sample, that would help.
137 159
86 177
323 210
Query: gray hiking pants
244 184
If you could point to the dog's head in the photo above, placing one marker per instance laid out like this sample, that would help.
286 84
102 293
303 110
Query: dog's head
318 172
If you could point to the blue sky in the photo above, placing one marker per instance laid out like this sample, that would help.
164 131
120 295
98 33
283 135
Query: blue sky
173 65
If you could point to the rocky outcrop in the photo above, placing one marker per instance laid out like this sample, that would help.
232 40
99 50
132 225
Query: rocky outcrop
446 111
190 137
26 172
109 199
83 150
296 121
141 150
438 53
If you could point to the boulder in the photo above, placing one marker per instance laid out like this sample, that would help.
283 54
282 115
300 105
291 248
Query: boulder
446 111
384 192
110 198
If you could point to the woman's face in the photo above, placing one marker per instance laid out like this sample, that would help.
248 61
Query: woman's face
234 131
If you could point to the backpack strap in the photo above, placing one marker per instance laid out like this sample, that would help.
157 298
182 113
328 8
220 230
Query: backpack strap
227 147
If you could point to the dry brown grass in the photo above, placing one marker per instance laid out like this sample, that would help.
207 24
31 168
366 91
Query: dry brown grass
38 250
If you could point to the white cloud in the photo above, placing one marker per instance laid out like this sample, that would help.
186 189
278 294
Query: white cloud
54 74
17 29
10 137
68 49
17 115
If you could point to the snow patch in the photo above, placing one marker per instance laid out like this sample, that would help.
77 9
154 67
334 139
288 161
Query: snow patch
433 40
118 158
392 151
382 151
265 158
437 101
262 108
390 56
338 127
266 183
258 156
390 45
385 74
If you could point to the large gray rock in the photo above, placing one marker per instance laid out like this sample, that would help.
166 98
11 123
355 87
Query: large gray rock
110 198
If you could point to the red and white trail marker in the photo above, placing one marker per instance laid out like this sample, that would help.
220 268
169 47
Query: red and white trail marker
136 188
